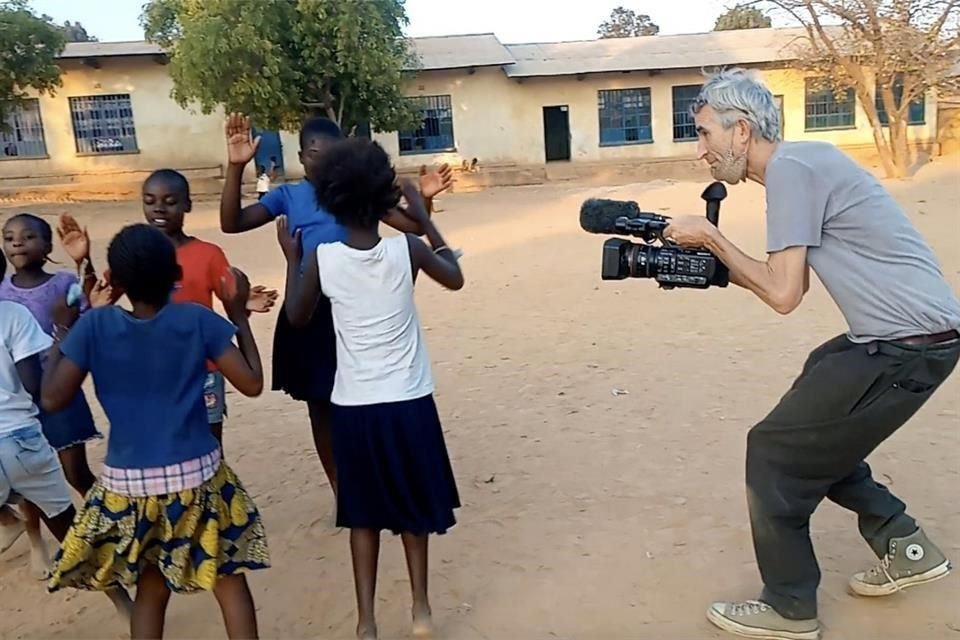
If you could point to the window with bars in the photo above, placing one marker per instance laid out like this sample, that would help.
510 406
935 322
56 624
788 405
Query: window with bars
435 133
683 98
624 116
916 112
22 137
103 124
825 109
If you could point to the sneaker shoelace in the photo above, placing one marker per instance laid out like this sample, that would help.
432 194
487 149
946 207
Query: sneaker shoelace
748 608
883 568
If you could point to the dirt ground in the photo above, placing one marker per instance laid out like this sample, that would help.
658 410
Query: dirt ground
586 514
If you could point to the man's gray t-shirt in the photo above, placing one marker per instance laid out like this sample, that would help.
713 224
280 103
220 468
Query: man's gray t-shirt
877 268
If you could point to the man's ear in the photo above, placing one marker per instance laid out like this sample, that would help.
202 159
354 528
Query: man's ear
189 206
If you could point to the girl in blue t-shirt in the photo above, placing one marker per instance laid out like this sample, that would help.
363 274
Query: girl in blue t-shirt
393 470
167 514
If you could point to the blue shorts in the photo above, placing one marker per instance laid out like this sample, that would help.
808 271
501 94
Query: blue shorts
30 469
215 397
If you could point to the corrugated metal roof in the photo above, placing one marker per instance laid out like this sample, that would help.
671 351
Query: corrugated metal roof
454 52
687 51
107 49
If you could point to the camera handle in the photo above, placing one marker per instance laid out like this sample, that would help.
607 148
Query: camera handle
713 195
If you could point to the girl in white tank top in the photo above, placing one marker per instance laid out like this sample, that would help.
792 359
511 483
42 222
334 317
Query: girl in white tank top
393 470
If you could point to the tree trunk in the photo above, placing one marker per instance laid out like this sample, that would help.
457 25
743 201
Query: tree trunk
884 148
898 142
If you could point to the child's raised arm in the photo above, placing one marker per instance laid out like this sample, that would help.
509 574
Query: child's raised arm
303 290
241 366
440 263
241 147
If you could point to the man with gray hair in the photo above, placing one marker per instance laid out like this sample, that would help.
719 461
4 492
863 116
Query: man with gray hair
826 212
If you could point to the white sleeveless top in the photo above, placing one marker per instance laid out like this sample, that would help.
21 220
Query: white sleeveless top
381 354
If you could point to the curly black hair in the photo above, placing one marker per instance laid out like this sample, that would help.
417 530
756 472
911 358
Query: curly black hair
172 178
143 263
356 182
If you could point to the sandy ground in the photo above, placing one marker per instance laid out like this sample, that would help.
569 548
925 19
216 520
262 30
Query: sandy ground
586 514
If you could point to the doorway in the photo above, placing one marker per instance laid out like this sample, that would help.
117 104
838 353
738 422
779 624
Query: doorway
556 133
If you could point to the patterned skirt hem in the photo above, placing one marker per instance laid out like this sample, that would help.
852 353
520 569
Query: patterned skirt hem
193 537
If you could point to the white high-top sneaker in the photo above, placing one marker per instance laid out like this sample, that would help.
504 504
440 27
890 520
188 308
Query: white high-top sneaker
911 561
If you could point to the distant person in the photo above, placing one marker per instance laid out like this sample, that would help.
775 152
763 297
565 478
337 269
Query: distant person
263 183
826 212
393 471
304 359
167 513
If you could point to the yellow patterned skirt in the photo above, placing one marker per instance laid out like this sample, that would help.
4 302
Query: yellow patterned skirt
193 537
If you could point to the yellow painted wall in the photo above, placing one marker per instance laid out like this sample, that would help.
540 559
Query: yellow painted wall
496 119
167 136
500 120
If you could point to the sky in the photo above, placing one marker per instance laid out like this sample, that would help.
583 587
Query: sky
513 21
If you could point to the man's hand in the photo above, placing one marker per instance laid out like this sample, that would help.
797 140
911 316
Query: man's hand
241 145
74 238
689 231
435 182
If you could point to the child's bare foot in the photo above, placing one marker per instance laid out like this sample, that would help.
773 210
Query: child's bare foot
40 560
367 631
422 622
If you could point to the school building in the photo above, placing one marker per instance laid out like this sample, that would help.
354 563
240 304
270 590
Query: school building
534 106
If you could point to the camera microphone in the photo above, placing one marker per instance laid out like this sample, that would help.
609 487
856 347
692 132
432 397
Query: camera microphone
598 215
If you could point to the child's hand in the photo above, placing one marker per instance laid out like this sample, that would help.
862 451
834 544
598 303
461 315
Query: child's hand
101 295
261 299
236 294
64 315
416 209
289 243
435 182
75 240
241 145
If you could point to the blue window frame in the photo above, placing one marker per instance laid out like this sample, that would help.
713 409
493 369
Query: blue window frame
916 112
683 98
435 133
826 110
22 137
624 116
103 124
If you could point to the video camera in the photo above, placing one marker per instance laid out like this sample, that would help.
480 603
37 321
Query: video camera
670 265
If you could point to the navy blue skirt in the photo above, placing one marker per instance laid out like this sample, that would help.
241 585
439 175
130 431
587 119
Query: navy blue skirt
71 426
393 471
305 358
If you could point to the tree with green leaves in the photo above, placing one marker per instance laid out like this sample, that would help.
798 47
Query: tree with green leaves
72 31
894 50
627 23
282 60
742 16
28 56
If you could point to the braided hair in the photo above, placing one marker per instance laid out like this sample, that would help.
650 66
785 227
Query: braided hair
143 263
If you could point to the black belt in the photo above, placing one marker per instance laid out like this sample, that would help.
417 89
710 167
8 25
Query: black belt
935 338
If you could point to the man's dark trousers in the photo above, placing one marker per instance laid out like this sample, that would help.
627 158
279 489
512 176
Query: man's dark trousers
848 399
